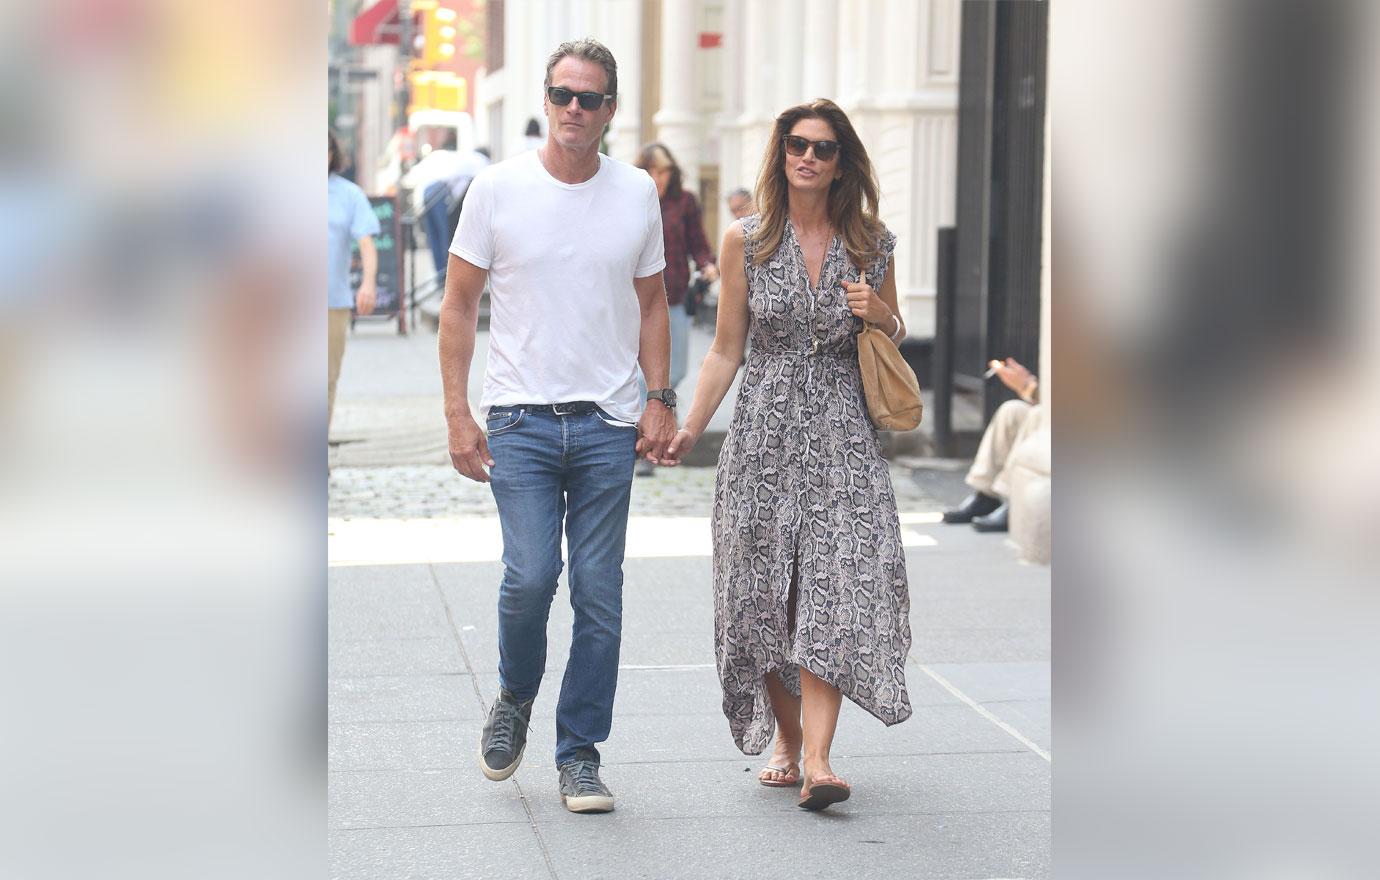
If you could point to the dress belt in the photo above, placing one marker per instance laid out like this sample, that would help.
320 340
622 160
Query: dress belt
814 353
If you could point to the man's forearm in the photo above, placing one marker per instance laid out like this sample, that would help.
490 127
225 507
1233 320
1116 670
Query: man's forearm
654 354
458 321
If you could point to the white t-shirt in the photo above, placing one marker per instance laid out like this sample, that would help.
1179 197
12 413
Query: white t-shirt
564 320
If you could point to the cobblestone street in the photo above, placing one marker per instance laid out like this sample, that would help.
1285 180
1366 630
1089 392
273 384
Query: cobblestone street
430 491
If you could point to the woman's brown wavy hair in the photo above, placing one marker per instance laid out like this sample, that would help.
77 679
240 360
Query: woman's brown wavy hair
852 198
648 157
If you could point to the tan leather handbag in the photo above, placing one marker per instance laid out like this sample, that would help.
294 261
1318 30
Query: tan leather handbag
889 384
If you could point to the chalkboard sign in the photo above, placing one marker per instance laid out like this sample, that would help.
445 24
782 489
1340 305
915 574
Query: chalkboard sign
389 279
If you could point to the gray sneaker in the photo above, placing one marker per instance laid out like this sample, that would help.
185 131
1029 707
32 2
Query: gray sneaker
505 736
581 789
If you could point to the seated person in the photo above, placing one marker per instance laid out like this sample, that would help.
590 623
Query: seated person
986 507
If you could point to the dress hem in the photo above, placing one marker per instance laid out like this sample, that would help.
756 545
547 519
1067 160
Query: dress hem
761 691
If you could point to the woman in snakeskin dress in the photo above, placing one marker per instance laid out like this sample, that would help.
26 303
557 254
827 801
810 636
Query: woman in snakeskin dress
810 591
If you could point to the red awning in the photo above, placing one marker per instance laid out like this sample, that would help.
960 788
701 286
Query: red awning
377 24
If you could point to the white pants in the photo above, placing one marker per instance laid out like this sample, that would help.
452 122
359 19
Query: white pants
1009 424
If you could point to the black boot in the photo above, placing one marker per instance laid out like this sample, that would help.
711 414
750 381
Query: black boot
992 522
976 504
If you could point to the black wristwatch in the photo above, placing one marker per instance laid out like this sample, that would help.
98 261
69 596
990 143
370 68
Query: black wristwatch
665 395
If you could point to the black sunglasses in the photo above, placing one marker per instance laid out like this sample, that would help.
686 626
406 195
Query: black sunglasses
824 150
588 100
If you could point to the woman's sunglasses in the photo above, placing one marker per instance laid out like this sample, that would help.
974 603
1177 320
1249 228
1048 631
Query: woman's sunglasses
824 150
588 100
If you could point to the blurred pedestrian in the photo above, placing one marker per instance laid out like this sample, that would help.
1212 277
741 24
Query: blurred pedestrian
531 138
811 601
350 218
986 508
471 164
431 181
570 242
739 203
682 229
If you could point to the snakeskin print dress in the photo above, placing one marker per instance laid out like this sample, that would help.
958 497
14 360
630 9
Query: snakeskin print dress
802 486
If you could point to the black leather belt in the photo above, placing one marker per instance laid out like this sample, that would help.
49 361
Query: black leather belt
573 408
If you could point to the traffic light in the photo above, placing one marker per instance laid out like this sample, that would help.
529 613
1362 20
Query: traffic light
437 32
437 90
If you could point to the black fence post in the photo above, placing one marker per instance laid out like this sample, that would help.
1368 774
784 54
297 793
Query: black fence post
944 301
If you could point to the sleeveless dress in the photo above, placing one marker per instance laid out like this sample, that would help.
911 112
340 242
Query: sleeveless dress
802 486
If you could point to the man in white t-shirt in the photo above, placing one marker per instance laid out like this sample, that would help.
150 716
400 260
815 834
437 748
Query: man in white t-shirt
570 243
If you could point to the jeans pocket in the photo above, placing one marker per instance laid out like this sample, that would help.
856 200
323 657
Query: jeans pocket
611 421
502 421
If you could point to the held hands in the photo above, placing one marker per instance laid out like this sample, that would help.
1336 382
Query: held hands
680 447
864 302
365 298
655 432
469 450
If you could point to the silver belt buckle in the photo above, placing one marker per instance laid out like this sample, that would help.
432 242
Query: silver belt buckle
556 408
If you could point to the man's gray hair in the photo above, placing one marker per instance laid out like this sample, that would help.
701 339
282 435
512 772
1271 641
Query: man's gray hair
590 50
740 191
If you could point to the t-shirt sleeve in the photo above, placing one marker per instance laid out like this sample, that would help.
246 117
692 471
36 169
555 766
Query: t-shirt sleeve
365 221
474 239
653 257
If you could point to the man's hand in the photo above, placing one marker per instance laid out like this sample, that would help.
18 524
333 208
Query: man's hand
656 431
365 298
1014 376
680 447
469 450
710 273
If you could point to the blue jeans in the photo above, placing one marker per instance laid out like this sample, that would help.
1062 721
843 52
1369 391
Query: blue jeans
436 222
551 470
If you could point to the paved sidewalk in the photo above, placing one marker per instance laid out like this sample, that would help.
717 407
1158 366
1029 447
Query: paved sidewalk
961 790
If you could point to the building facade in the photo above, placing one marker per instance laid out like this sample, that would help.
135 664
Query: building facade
707 78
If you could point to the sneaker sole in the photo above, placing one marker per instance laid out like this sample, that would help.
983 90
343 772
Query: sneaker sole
504 773
590 803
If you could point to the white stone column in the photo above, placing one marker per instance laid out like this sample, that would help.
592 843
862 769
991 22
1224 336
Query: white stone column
898 79
819 69
620 24
734 68
850 76
761 72
677 121
789 35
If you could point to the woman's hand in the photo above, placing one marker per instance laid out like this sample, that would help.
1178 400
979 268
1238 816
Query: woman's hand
864 302
680 447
